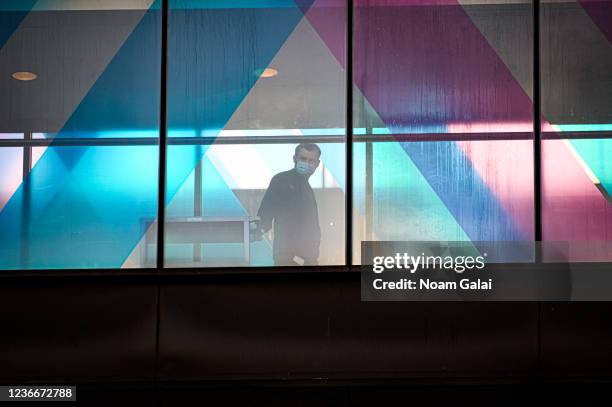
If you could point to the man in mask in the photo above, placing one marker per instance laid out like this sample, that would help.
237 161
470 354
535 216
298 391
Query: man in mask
290 202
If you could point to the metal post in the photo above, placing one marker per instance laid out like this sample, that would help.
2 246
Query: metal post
349 134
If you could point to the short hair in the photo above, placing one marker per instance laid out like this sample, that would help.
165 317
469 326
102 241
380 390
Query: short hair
308 147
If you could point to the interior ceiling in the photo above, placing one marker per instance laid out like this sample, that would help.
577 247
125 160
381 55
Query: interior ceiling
70 50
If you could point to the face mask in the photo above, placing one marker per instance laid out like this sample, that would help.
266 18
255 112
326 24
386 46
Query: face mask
304 168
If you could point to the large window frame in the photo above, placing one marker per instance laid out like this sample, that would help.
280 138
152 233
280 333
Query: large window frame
28 143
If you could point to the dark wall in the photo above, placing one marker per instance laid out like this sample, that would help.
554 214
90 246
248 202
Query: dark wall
576 339
321 329
294 326
54 330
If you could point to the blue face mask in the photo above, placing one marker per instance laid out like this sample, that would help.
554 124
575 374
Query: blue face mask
303 168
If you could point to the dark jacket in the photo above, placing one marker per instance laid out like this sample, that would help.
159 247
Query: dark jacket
290 202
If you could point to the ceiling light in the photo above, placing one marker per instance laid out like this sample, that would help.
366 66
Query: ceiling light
24 76
269 72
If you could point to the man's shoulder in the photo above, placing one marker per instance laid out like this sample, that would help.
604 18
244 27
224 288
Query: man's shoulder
283 176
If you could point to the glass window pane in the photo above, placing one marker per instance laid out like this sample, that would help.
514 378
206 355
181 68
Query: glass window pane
10 136
443 121
248 82
577 127
93 70
11 172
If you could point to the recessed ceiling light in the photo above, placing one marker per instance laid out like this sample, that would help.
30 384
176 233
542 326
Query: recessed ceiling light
24 76
269 72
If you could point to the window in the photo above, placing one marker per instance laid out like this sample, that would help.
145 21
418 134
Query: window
80 80
441 142
11 165
248 82
576 127
443 122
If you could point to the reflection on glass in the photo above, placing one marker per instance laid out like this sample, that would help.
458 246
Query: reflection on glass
10 136
11 172
443 191
576 125
247 84
219 206
427 68
80 204
443 120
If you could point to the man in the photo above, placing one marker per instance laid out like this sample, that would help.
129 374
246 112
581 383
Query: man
290 202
